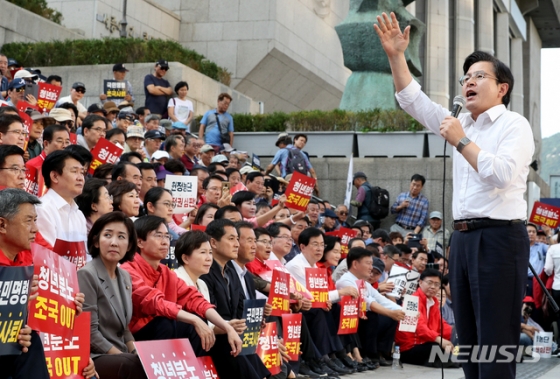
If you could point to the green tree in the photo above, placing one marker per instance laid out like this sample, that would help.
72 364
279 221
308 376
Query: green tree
39 7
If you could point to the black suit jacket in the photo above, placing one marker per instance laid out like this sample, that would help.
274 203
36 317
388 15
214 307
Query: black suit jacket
228 298
249 282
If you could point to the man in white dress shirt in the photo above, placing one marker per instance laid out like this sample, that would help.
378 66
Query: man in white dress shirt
493 148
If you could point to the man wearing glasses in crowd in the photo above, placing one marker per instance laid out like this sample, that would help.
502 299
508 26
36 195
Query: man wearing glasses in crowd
76 94
157 89
12 131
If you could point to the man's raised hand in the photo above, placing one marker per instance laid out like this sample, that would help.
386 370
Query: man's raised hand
394 41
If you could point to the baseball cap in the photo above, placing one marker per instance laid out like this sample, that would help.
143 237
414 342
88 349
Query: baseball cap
159 154
152 116
61 114
281 136
17 83
36 115
79 85
162 174
178 125
94 108
162 63
12 62
24 74
154 134
329 213
378 264
246 169
110 106
227 148
206 148
134 131
359 174
220 158
436 214
120 68
167 124
125 116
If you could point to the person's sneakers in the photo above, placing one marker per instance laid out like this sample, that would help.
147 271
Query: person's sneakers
336 368
304 369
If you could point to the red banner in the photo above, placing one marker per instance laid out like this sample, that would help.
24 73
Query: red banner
67 359
73 251
278 296
318 285
73 138
34 182
544 214
53 311
104 152
23 105
291 326
163 359
345 236
299 191
362 304
207 365
236 188
198 227
348 315
268 348
48 96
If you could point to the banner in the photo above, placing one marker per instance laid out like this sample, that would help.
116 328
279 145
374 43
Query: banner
268 348
544 214
348 323
73 251
397 276
47 96
278 296
256 162
345 236
53 311
114 89
253 314
170 259
299 191
410 308
168 359
318 285
207 365
104 152
362 294
291 327
67 359
349 184
184 192
34 182
14 293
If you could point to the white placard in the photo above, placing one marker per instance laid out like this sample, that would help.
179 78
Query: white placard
184 191
410 308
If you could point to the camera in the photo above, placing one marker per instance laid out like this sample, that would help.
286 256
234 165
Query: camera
433 265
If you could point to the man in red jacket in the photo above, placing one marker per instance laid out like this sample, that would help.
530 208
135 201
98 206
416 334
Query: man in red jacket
416 347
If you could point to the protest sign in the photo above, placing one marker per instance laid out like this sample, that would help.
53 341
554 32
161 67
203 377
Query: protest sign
167 359
299 191
410 308
73 251
47 96
278 296
236 188
291 326
318 285
184 192
114 89
362 294
207 365
54 310
345 236
397 276
14 293
253 310
268 348
66 359
171 260
104 152
348 323
544 214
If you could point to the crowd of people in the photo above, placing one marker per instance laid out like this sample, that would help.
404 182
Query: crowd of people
148 273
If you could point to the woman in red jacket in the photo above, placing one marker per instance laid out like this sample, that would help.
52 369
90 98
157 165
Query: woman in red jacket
416 347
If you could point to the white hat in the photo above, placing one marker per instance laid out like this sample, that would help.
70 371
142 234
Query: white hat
24 74
159 154
220 158
246 169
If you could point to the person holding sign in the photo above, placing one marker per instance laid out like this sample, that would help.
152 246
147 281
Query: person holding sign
108 293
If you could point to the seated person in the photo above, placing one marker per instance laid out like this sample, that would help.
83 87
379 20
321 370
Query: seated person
108 292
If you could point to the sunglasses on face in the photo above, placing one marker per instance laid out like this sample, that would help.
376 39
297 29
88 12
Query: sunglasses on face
80 90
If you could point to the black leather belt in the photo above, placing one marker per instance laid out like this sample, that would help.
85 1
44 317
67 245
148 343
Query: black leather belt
405 226
479 223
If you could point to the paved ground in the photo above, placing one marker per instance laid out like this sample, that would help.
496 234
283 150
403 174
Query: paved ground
544 369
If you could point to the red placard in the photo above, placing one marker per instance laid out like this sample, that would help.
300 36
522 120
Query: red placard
544 214
268 348
104 152
207 365
22 106
291 326
67 359
345 236
164 359
34 182
74 251
278 296
202 228
236 188
348 315
318 285
53 311
362 304
27 125
299 191
73 138
48 96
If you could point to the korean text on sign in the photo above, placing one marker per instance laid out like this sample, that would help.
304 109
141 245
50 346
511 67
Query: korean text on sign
318 285
207 366
362 294
114 89
268 348
299 191
66 359
544 214
48 96
279 297
54 310
345 236
253 312
184 192
14 293
291 325
410 308
348 323
104 152
167 359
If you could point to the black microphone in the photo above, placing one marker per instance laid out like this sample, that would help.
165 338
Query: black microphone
458 104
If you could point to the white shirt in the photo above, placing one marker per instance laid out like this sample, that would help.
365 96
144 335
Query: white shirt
68 99
297 266
273 257
181 108
241 274
200 284
506 142
552 265
372 295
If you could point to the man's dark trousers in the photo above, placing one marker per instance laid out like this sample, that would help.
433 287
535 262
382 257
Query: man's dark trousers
488 274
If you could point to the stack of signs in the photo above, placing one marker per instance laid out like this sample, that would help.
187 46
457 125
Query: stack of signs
410 308
405 280
184 192
348 323
318 285
104 152
253 314
299 191
67 359
14 289
166 359
114 89
278 296
268 348
291 326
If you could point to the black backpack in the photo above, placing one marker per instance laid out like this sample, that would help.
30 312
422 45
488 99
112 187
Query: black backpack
378 207
296 162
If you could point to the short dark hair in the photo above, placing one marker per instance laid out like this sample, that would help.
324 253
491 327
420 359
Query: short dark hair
262 232
175 165
147 224
55 78
224 95
429 273
351 242
374 248
275 227
330 243
7 150
8 109
49 131
309 233
196 169
206 181
418 178
89 195
145 166
180 85
502 72
356 254
87 157
153 195
56 161
117 189
120 169
70 107
90 120
97 228
217 228
300 135
418 252
231 170
189 242
404 249
202 211
391 251
242 196
220 213
103 170
243 224
8 119
395 235
140 111
263 204
252 175
381 233
126 156
215 166
171 141
114 131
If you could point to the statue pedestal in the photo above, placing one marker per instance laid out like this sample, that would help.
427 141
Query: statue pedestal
366 90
